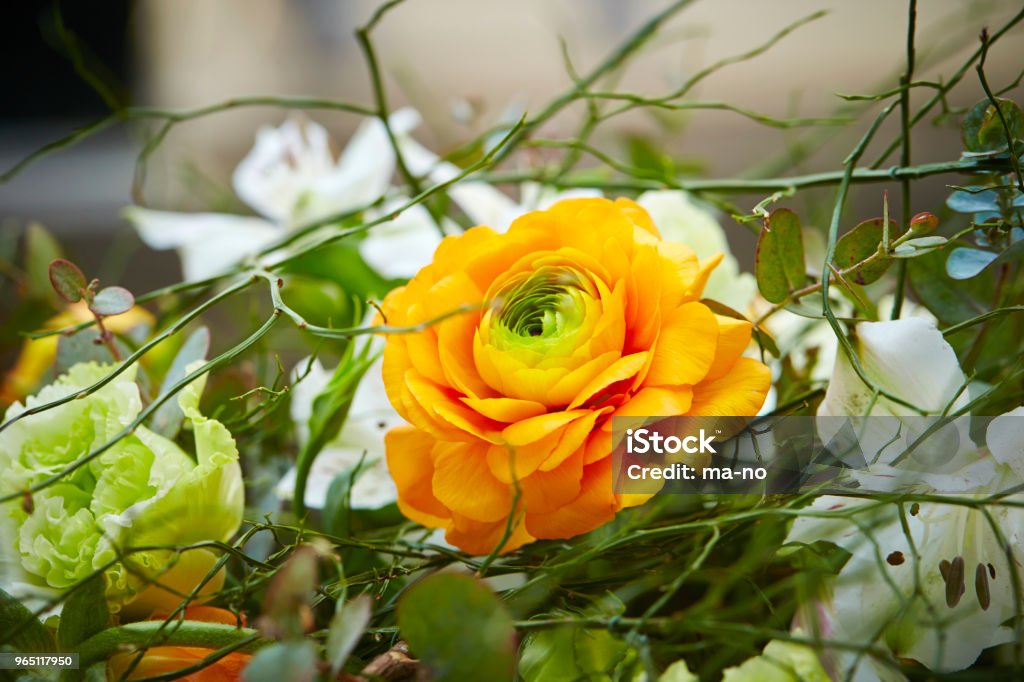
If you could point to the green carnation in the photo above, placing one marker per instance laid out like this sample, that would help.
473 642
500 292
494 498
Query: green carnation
143 491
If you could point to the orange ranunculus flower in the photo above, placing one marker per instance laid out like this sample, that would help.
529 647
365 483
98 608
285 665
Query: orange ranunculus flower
586 314
161 660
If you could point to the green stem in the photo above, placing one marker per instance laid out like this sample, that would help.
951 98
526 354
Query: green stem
905 81
105 644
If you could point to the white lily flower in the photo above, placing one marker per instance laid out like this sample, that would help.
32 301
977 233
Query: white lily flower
936 583
290 178
681 218
360 438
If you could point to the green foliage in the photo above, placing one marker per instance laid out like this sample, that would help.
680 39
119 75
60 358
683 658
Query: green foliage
20 630
779 262
112 301
67 280
458 628
983 129
84 614
860 253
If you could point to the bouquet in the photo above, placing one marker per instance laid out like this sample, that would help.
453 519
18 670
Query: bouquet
546 403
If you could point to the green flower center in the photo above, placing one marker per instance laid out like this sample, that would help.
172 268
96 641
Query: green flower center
539 307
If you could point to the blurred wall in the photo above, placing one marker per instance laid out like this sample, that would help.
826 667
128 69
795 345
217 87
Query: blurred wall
485 56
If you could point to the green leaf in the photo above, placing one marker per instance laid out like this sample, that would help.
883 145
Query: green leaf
458 628
82 346
568 653
912 248
965 263
291 592
41 249
858 244
779 260
112 301
67 280
764 339
20 629
84 614
288 661
983 129
347 626
168 417
948 300
330 408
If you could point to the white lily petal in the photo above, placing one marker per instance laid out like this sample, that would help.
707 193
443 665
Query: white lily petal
399 248
682 219
1004 438
283 165
208 243
361 438
909 359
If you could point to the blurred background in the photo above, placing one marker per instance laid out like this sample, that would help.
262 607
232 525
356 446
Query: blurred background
465 64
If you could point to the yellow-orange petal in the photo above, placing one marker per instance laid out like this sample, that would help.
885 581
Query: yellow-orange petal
654 401
624 368
408 452
685 348
506 410
733 339
739 393
547 491
476 537
463 482
443 405
593 507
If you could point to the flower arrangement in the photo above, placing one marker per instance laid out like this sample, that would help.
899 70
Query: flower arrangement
378 430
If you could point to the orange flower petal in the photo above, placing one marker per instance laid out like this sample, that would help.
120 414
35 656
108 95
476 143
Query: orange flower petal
506 410
476 537
685 347
740 392
463 482
408 452
593 507
733 339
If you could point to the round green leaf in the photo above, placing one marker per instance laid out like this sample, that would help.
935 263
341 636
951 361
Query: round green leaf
965 263
67 280
983 128
779 260
292 661
859 244
112 301
458 628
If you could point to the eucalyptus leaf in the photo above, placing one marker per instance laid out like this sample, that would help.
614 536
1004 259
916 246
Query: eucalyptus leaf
983 128
112 301
283 662
912 248
973 202
82 346
458 628
168 417
67 280
965 263
347 626
859 244
779 260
